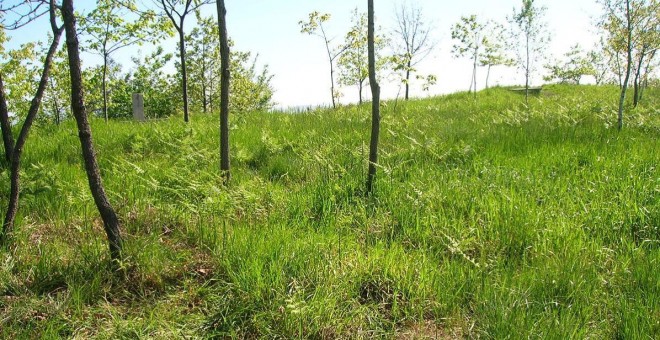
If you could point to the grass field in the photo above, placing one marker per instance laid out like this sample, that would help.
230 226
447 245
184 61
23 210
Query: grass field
489 219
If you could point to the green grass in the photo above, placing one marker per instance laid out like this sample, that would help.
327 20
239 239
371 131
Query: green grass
489 219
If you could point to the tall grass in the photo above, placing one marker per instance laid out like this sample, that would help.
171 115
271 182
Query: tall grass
489 219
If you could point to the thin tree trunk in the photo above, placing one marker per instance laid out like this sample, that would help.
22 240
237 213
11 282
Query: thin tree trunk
56 107
474 81
619 72
184 73
211 105
488 75
408 79
15 163
635 91
527 71
375 103
645 77
474 73
203 79
624 88
104 86
360 85
224 91
204 103
643 83
7 136
331 59
332 81
110 220
637 80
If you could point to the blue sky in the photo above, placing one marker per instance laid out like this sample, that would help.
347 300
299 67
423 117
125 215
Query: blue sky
270 28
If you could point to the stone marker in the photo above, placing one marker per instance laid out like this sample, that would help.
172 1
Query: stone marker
138 107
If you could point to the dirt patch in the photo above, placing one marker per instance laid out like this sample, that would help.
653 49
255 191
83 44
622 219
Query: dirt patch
428 330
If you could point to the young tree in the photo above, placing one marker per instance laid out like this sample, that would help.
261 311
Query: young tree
598 58
631 29
249 89
177 11
645 72
224 90
646 44
628 22
528 25
375 103
353 63
314 26
55 104
470 36
412 41
108 31
613 47
17 147
93 77
204 61
108 215
494 52
576 64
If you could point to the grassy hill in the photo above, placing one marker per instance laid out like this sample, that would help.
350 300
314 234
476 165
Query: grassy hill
490 219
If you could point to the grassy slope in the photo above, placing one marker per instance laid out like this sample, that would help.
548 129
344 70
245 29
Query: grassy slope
489 220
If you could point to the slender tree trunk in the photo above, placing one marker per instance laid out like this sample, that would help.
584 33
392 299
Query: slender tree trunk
488 75
332 80
207 80
204 102
619 71
184 72
211 89
224 90
360 85
331 59
635 91
110 220
645 77
7 136
527 71
56 107
375 103
474 73
637 80
408 79
624 88
15 163
473 82
203 79
104 86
